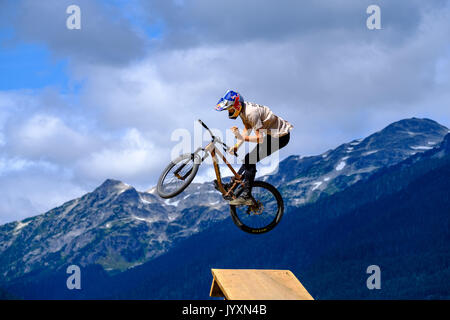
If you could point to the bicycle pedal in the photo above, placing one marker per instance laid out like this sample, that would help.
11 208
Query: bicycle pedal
228 198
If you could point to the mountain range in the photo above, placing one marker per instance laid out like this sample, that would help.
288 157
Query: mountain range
131 243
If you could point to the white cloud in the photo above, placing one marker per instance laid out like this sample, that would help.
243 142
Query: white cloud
130 158
33 190
47 137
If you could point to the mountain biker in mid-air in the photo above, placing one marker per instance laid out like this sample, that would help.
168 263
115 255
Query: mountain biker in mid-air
260 119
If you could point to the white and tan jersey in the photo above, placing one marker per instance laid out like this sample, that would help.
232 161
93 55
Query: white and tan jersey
259 117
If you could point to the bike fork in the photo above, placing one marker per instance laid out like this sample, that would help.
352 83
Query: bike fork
177 172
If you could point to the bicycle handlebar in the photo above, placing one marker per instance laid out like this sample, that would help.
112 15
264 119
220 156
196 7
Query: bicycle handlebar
206 127
214 138
203 124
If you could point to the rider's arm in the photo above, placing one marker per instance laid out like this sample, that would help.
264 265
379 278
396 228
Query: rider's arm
245 133
257 138
239 137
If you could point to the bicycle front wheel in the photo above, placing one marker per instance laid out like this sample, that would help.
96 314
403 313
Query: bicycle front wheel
263 216
178 175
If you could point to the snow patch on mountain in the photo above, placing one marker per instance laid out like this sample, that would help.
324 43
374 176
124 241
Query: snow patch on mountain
20 226
148 220
174 203
356 142
122 187
340 166
317 185
421 147
151 190
368 153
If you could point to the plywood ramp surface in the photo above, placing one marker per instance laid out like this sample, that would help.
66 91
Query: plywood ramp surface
257 284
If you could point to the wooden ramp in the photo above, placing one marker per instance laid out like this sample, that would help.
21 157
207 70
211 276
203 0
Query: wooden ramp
248 284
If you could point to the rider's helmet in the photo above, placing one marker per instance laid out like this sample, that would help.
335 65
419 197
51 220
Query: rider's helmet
231 101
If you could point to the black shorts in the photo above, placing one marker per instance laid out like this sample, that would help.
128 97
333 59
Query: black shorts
266 148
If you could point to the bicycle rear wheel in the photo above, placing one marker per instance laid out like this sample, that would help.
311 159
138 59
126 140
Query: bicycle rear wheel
178 175
265 215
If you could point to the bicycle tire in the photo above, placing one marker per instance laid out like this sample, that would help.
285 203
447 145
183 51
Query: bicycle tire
195 159
277 217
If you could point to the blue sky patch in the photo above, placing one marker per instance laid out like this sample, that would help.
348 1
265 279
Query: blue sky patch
30 66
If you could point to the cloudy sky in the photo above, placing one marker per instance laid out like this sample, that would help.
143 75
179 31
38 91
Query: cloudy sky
80 106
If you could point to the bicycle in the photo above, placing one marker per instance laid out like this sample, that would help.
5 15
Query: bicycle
260 217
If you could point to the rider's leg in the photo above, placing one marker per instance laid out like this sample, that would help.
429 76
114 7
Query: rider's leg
248 172
266 148
245 195
248 178
261 151
248 168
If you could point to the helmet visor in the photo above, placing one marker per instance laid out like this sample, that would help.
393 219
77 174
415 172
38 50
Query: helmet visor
223 104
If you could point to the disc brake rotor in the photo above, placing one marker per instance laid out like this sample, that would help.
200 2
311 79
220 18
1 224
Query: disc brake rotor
256 209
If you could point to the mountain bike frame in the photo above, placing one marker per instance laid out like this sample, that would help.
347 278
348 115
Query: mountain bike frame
212 149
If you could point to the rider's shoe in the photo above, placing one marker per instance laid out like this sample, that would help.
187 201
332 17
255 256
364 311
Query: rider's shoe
245 199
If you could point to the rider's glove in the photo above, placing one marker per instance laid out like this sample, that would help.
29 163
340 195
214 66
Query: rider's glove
232 150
